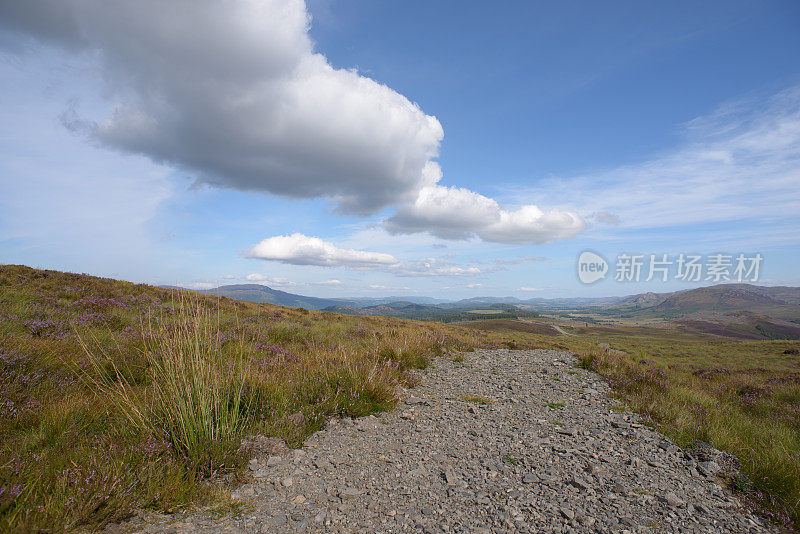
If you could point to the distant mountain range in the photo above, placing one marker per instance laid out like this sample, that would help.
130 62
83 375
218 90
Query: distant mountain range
719 298
265 294
262 293
735 310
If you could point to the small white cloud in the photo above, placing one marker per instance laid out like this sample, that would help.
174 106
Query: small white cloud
516 261
458 213
229 277
258 277
299 249
426 269
473 286
283 282
332 282
526 288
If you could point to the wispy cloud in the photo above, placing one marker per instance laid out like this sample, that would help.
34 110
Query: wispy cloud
332 282
741 162
517 261
278 282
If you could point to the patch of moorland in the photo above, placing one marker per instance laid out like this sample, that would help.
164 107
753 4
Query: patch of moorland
117 396
499 325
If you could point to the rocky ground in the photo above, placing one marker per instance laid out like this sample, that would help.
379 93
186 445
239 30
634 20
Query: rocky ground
505 441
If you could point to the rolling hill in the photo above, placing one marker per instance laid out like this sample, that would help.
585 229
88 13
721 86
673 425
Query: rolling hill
263 294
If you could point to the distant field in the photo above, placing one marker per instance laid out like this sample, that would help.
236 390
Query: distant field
510 325
485 312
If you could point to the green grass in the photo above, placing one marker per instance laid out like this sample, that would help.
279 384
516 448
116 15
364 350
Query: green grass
117 396
555 405
510 459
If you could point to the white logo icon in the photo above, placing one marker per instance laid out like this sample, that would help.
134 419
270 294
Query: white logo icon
591 267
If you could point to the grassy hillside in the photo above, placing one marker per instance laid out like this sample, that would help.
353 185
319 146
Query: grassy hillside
89 434
116 396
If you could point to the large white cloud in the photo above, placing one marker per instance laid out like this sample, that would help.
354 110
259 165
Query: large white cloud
234 92
299 249
458 213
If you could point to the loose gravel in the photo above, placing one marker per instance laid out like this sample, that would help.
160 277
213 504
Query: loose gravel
505 441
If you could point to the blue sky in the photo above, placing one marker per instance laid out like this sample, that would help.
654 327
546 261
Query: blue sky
358 148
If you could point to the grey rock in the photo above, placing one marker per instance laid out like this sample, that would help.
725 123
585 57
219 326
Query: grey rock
567 513
708 468
348 494
673 500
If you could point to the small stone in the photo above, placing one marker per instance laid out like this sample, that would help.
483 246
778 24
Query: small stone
673 500
253 464
567 513
349 494
708 468
579 483
287 482
322 464
414 400
272 461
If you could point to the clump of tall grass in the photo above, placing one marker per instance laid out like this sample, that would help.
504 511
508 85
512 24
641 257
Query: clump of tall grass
192 396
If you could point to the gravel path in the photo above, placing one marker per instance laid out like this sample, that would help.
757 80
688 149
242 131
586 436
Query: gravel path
507 441
561 330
